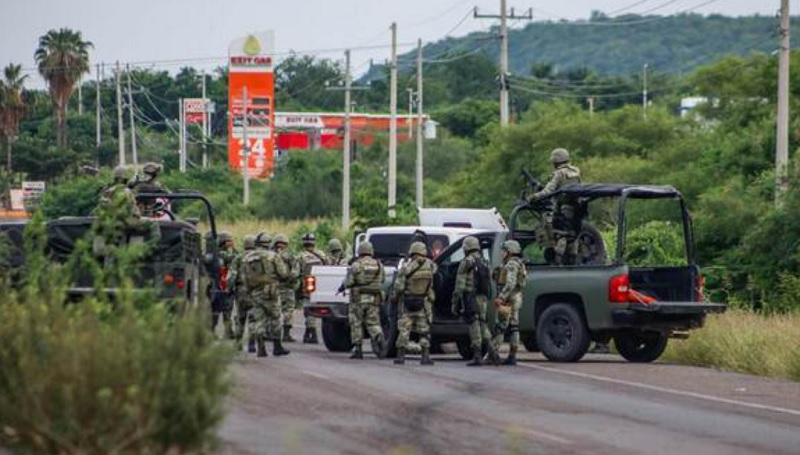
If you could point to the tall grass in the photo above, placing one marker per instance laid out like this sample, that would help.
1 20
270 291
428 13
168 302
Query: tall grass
744 342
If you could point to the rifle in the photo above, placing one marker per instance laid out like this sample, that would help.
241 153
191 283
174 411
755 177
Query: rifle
533 183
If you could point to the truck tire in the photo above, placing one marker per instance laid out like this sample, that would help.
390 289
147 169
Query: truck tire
591 247
336 335
464 346
561 333
640 346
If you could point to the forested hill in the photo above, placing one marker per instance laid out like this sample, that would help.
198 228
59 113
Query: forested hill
622 44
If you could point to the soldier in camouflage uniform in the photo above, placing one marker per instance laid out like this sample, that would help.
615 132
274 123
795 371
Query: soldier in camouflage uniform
472 302
221 303
365 278
510 284
263 271
148 184
242 303
120 200
412 288
309 257
336 253
288 287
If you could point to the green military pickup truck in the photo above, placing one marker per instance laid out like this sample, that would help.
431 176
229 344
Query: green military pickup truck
593 296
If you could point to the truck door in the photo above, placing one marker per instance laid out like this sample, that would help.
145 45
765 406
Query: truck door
445 279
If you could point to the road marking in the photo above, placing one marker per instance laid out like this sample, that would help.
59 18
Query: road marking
315 374
667 390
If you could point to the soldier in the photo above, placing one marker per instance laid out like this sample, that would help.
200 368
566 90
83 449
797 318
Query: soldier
262 272
510 283
365 278
221 304
120 200
287 287
336 253
242 303
149 184
411 291
309 257
563 174
470 298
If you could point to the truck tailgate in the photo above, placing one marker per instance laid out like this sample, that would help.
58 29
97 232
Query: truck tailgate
678 307
329 278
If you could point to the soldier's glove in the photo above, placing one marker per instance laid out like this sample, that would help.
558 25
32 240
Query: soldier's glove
341 289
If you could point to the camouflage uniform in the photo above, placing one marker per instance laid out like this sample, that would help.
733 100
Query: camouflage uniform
511 282
263 271
148 184
465 290
242 302
365 278
287 288
412 289
564 174
336 253
222 304
119 216
309 257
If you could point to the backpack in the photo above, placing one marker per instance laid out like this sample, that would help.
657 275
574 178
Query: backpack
481 276
255 270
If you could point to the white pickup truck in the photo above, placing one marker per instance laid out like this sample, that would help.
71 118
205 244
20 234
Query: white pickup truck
441 227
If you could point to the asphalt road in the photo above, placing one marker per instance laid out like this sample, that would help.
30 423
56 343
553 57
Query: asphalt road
317 402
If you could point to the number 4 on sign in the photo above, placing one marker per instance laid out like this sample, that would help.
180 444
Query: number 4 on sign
257 146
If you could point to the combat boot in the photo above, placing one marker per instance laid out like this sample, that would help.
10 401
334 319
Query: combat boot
477 358
401 356
357 354
512 356
277 349
262 350
310 337
287 334
251 345
426 357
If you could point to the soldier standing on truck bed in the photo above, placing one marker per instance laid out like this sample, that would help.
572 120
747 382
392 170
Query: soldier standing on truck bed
309 257
365 278
287 287
510 284
412 289
263 270
242 303
470 299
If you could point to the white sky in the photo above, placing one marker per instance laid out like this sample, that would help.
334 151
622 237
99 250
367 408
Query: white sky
197 32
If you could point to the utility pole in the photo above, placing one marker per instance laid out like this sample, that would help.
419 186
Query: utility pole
98 139
134 154
420 138
410 112
591 105
503 79
393 126
782 127
120 125
182 136
245 149
644 90
205 124
346 151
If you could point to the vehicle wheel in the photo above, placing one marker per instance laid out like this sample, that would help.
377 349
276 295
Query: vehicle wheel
639 346
464 346
336 335
436 348
389 327
561 333
591 247
529 341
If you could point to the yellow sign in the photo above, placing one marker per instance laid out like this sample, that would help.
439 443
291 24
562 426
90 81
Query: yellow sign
251 46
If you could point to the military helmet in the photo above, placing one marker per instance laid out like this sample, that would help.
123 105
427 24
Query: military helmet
512 246
559 155
418 248
263 239
471 244
249 242
119 173
309 239
365 249
280 238
151 168
335 245
223 237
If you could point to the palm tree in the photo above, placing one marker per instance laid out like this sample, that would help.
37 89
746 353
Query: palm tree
62 57
12 106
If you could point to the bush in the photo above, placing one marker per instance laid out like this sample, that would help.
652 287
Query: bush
97 377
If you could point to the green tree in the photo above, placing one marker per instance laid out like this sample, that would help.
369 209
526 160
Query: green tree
12 106
62 57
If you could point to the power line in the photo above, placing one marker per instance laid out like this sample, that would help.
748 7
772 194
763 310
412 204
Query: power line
626 8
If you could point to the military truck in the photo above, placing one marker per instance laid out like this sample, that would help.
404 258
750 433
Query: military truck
174 268
595 297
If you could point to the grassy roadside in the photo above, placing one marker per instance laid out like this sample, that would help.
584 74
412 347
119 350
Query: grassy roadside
743 342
